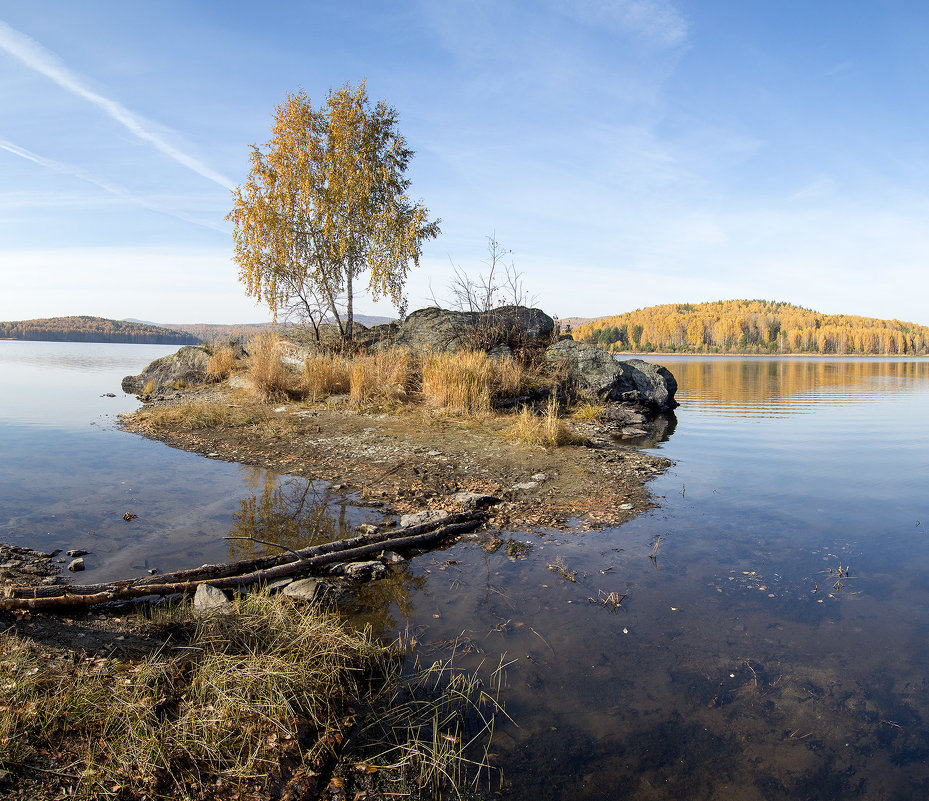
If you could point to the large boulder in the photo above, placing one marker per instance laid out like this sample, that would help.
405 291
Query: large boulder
187 366
446 331
594 372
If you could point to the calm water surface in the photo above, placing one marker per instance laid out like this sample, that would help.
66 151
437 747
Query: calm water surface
742 664
68 475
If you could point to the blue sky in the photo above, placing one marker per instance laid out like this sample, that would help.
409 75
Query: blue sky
628 152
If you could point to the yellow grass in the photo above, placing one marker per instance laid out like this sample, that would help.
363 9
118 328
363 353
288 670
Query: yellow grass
271 378
459 381
194 415
547 429
593 412
220 363
325 374
385 376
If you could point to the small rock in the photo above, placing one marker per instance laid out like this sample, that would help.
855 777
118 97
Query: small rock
304 590
418 518
76 565
392 558
634 431
209 598
539 477
279 584
336 487
152 571
526 485
129 516
474 500
626 506
78 552
367 529
365 571
212 455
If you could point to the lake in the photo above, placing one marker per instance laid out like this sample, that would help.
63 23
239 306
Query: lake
771 641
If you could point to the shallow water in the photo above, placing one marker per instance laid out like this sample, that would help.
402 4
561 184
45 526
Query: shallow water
68 474
740 662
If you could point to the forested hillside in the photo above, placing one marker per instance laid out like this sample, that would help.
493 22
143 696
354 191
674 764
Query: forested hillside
751 326
93 329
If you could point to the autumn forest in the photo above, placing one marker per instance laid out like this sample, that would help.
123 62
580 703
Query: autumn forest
751 326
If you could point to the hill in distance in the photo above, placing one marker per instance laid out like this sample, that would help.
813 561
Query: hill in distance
751 326
208 332
84 328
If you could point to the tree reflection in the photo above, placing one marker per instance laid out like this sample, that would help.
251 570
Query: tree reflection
292 512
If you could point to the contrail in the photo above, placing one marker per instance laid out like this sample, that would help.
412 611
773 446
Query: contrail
107 186
33 55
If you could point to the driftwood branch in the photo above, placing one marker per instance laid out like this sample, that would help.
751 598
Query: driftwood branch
244 573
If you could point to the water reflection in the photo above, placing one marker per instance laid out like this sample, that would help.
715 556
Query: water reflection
291 512
785 386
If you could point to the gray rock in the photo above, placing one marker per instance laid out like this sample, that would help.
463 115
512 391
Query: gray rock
594 372
208 598
474 500
76 565
365 571
366 529
418 518
539 476
624 415
77 552
500 352
447 331
392 558
524 486
633 431
188 365
308 590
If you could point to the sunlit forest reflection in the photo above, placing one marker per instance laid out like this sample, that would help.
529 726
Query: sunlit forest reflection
789 385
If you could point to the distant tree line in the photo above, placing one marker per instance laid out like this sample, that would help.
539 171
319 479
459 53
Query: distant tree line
93 329
751 326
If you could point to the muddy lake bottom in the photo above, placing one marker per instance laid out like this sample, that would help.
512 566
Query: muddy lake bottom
771 639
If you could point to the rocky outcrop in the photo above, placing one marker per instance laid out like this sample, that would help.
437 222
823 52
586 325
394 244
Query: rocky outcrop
187 366
446 331
589 370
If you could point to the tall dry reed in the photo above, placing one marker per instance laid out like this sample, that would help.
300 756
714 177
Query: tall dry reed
386 376
325 374
459 381
270 377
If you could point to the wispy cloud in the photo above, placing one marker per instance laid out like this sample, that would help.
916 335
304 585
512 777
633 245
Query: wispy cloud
36 57
656 20
107 186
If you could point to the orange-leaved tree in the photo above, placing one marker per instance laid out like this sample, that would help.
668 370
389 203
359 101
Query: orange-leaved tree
324 204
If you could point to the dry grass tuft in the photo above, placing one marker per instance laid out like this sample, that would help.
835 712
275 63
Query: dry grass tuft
459 381
194 415
590 411
325 374
243 697
220 363
547 429
387 376
272 379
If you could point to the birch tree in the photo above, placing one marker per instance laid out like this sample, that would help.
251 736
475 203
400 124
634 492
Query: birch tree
325 204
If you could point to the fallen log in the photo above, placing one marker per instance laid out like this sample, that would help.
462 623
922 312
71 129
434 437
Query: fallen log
186 582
